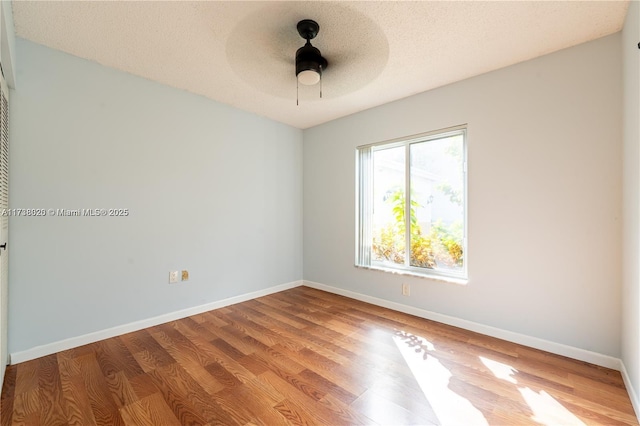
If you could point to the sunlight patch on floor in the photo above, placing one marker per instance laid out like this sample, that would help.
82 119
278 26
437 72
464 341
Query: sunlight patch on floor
548 411
433 378
453 409
500 370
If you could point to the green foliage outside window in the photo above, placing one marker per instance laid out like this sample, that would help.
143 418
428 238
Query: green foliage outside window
442 246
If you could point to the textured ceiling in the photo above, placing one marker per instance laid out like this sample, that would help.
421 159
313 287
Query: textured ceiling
242 53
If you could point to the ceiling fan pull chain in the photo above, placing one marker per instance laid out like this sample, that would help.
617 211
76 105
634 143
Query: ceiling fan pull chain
320 81
297 93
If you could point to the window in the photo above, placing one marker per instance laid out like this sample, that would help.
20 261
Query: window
433 168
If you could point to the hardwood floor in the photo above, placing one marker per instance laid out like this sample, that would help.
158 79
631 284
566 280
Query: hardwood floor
304 356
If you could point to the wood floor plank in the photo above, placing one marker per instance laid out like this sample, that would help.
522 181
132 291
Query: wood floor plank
253 410
281 329
396 391
52 403
204 353
386 412
213 319
227 348
233 340
223 376
326 386
592 408
26 408
210 353
184 396
113 356
8 395
280 313
546 360
102 404
143 386
67 364
293 413
175 401
27 376
347 383
319 414
146 350
149 411
315 340
199 328
78 406
191 364
175 343
304 356
276 314
241 321
121 390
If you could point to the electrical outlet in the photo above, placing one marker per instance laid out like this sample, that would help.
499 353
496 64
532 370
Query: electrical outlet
173 277
185 275
406 289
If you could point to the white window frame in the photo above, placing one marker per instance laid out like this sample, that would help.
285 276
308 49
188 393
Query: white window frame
364 201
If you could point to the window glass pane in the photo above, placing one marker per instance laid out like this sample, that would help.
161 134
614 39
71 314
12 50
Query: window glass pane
388 205
437 211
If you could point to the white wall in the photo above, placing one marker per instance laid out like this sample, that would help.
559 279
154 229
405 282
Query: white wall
544 151
210 189
631 199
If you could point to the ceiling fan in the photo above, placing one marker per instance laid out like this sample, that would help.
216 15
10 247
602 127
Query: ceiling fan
309 61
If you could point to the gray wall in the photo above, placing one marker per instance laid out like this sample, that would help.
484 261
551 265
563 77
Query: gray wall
544 153
210 189
631 206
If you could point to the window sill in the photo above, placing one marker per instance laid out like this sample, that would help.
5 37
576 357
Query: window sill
452 280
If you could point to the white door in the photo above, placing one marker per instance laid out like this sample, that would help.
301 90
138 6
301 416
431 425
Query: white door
4 221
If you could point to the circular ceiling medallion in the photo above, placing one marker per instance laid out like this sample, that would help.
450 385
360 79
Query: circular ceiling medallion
261 49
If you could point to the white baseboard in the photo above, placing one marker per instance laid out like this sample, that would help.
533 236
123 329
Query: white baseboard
73 342
522 339
633 395
534 342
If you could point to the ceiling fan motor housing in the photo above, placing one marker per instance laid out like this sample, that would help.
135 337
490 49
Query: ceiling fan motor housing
308 58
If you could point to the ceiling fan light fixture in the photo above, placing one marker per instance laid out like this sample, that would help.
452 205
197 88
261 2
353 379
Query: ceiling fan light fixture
308 77
309 61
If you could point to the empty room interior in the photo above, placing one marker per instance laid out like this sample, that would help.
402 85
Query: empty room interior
335 213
